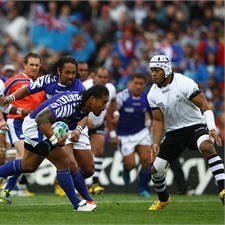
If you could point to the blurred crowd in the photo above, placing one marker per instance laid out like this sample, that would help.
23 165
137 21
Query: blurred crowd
126 34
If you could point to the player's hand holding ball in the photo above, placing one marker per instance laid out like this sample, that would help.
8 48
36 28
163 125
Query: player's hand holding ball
61 131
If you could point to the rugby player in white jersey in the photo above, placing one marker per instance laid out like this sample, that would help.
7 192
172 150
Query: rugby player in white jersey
96 125
181 112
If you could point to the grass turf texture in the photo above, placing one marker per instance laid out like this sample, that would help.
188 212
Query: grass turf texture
113 209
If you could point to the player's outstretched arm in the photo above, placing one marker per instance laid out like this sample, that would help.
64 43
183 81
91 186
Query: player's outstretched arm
20 93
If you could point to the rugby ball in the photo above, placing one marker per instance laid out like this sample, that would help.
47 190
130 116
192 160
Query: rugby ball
60 129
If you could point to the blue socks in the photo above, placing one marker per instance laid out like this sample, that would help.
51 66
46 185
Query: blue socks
144 178
65 180
80 186
11 168
11 181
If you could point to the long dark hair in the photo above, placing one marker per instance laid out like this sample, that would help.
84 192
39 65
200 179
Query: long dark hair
59 64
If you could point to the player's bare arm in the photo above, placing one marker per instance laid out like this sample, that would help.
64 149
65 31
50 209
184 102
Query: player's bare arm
200 101
44 120
158 131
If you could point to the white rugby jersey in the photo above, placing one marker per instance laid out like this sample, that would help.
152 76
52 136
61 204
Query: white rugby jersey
98 120
2 88
173 101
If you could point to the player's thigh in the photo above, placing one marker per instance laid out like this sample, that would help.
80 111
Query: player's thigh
97 144
70 153
2 138
59 158
31 161
144 154
19 146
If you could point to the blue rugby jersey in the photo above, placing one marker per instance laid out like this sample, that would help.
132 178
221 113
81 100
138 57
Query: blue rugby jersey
64 107
51 86
132 112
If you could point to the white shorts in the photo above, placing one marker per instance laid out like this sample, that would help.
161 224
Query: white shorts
7 139
83 143
15 129
128 143
32 134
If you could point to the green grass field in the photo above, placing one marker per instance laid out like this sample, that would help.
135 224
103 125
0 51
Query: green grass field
113 209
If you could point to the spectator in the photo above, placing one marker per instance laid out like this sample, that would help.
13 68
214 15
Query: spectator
17 26
8 71
211 44
218 10
139 11
125 47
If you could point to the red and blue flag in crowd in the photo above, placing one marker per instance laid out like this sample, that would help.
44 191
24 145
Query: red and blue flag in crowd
58 35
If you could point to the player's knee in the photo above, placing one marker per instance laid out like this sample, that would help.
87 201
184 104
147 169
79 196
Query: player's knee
63 164
129 165
159 167
74 169
158 174
145 162
207 148
88 171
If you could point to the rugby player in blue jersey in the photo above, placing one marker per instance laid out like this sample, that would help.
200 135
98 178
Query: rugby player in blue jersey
63 77
41 142
133 131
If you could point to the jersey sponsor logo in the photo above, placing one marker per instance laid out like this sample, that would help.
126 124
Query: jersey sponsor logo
63 91
57 91
161 105
128 109
178 97
165 90
136 103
